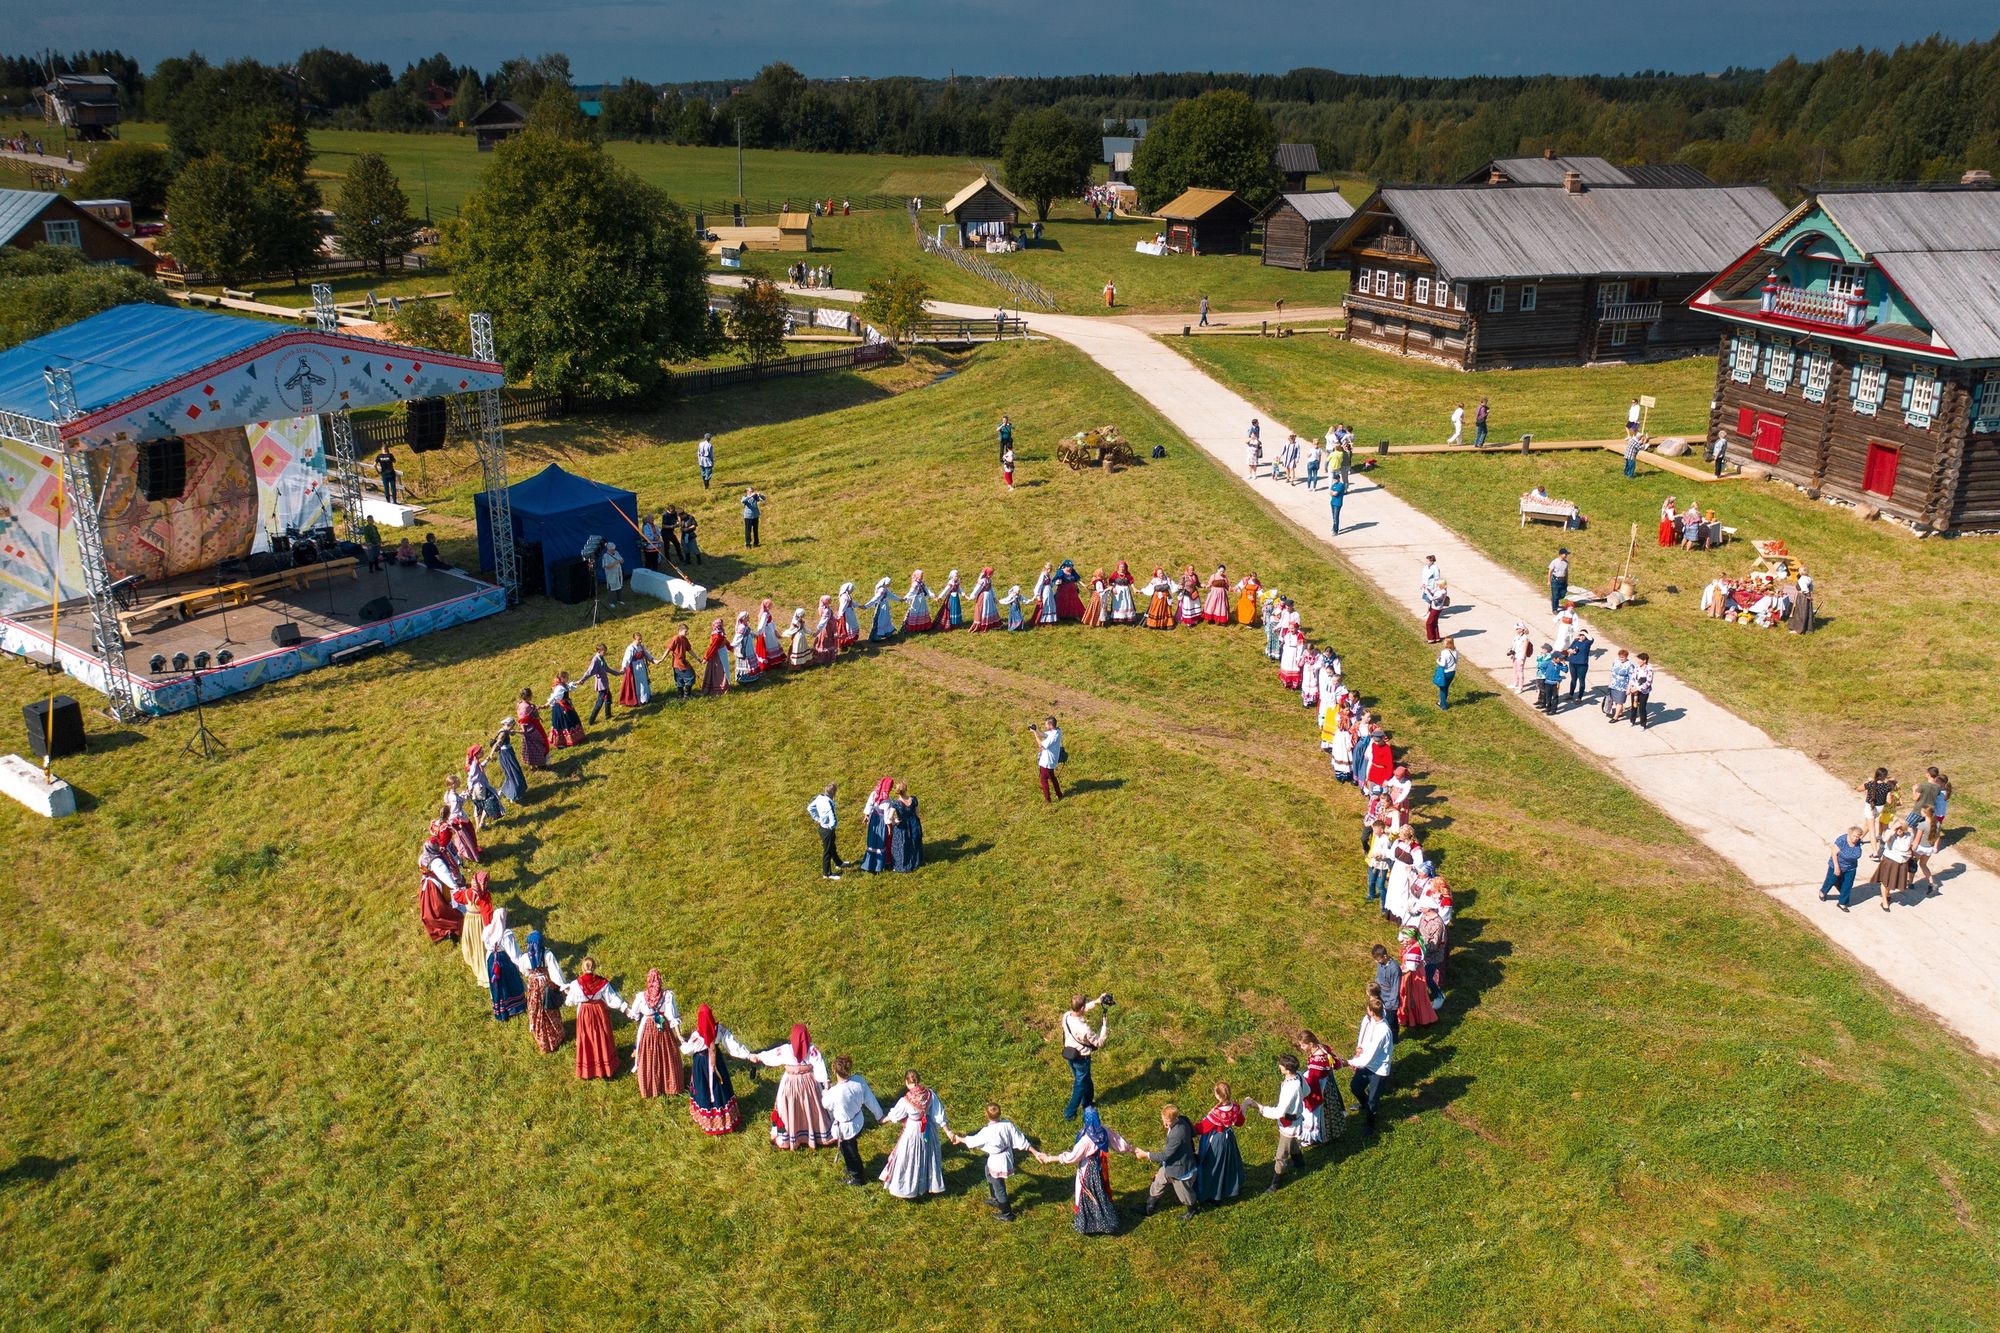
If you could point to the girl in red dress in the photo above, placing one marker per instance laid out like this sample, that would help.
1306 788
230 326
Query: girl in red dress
594 999
1414 1009
715 662
1669 520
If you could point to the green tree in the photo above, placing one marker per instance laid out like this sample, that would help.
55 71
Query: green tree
555 112
230 110
628 110
438 326
757 320
287 204
397 109
523 80
467 101
333 79
169 80
593 277
372 215
49 287
894 303
1220 140
214 212
1048 156
138 173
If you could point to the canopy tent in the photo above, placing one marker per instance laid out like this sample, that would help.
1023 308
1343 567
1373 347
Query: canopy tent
560 511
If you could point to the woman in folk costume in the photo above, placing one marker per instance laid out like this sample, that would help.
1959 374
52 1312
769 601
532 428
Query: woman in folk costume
883 623
1291 656
475 903
1187 601
1042 605
985 606
1218 1159
1309 678
656 1054
1432 930
917 618
1247 590
798 640
464 838
1016 619
1069 592
1324 1115
849 620
594 998
711 1098
543 977
1121 609
504 983
798 1119
875 854
479 793
1414 1008
1159 592
1094 1212
635 682
565 726
906 833
1381 764
437 880
915 1166
1669 522
1271 608
951 605
513 782
1215 604
715 660
826 632
1094 611
749 652
770 649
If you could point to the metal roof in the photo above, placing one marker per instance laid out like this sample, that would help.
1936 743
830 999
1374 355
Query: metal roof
1549 170
124 351
1321 206
1297 158
983 183
1958 293
1667 173
1480 233
18 208
1199 203
1909 220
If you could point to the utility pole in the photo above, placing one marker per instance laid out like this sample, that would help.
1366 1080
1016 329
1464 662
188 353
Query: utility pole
739 158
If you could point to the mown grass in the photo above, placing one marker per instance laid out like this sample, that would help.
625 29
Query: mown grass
241 1089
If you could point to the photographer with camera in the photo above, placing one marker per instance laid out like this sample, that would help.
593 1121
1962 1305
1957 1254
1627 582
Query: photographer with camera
1079 1044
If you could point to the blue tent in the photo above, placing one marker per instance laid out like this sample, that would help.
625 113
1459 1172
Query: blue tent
561 511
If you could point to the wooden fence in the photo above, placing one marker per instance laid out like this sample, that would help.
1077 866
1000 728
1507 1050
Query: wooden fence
1023 291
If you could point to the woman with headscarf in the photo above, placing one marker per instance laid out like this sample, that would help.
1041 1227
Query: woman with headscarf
437 881
1413 1007
749 658
798 1119
906 834
1309 678
635 681
917 618
1247 590
513 782
680 660
1120 609
1095 610
1669 522
543 977
985 606
565 725
875 816
848 627
656 1053
1215 606
1016 618
1095 1213
951 605
504 983
1042 607
1271 610
715 660
475 903
534 737
826 632
1069 592
594 998
882 625
915 1164
1187 600
711 1098
770 649
798 640
1291 655
1321 1086
1218 1159
1159 592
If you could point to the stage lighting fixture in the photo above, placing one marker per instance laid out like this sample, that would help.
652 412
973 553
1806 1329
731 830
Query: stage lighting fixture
158 664
180 661
201 661
224 658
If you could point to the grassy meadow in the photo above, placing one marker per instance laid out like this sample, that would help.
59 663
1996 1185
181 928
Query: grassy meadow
240 1088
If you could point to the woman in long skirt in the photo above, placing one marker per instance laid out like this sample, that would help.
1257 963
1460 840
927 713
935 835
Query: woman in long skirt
475 903
513 782
1247 591
480 796
1069 592
437 880
798 1119
715 660
1188 602
1668 519
534 737
1159 592
875 854
1413 1007
1324 1115
543 977
1218 1160
656 1053
826 633
951 605
917 618
565 725
848 626
635 685
770 649
906 845
505 985
749 655
915 1166
1215 606
1096 1214
711 1098
594 998
1044 608
798 640
985 606
881 625
1122 610
1094 611
1017 618
1892 872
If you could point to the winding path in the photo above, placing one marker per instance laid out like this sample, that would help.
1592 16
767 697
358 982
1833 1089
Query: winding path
1767 809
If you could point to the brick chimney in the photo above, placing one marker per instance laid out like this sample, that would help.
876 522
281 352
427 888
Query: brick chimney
1573 181
1977 177
1548 155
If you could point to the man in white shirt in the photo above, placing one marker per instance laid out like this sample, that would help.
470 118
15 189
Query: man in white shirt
1079 1044
1290 1107
1048 753
1374 1045
820 808
999 1140
704 457
1457 424
845 1101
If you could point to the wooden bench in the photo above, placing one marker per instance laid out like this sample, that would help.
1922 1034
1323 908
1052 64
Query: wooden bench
1547 511
185 605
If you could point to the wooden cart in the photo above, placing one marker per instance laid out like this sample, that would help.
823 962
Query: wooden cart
1103 447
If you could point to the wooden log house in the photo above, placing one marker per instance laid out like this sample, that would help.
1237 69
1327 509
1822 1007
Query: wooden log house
1295 162
1298 227
29 218
1208 222
497 122
84 104
984 208
1860 351
1480 277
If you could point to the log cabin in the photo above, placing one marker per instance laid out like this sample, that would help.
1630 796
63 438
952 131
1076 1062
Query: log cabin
84 104
1481 277
982 209
1295 162
1298 227
1860 351
497 122
29 218
1208 222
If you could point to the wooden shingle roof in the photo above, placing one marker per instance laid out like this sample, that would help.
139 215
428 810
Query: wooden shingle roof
960 199
1199 203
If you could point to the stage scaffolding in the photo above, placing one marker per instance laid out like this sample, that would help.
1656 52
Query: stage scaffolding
343 467
493 459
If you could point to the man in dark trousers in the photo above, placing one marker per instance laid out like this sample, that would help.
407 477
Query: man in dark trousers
1048 753
1579 665
1176 1163
820 808
385 468
599 672
753 511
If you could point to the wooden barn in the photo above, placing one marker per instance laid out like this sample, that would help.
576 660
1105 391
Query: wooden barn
1861 351
1295 162
1480 277
1298 227
984 209
497 121
29 218
1208 222
84 104
795 231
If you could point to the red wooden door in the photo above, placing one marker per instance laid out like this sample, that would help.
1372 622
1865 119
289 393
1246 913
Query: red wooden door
1769 440
1878 474
1746 421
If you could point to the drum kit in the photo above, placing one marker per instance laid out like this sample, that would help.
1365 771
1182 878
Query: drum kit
306 546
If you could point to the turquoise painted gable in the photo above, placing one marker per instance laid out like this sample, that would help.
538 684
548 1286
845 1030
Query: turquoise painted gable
1815 234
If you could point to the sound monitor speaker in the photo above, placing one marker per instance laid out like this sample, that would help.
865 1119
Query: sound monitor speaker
379 609
53 733
570 580
285 635
163 468
528 560
423 427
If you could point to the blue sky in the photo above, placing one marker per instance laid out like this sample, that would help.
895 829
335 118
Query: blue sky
671 40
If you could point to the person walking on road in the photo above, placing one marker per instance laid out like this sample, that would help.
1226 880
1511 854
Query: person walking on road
1204 310
753 511
821 810
1558 579
1048 753
1336 495
1841 864
1479 425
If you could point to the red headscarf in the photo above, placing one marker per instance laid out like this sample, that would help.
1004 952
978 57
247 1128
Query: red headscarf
705 1026
802 1043
590 983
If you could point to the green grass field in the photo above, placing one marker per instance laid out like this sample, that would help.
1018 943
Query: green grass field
240 1089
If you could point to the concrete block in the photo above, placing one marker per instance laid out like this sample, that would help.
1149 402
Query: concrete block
1755 472
650 583
22 780
687 596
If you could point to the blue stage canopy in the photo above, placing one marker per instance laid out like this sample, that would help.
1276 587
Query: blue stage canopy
560 511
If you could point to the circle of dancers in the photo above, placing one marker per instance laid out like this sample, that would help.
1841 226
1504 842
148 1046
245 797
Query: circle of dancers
821 1102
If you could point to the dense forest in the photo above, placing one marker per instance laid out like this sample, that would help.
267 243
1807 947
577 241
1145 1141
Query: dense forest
1925 111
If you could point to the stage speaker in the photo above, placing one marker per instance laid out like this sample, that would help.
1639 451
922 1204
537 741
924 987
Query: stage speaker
379 609
528 560
423 426
570 580
54 733
260 563
285 635
163 468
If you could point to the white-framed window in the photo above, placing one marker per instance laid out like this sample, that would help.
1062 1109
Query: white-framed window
1361 279
1921 392
1986 406
1423 291
1846 279
1742 356
1402 286
1778 364
1496 298
1528 296
1612 293
1815 374
1381 282
66 232
1866 384
1619 334
1458 296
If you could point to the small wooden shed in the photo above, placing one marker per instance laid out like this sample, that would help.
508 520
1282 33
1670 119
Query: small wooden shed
795 231
497 121
1295 162
1208 222
982 209
1298 227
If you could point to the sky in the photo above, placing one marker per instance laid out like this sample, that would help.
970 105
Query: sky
681 40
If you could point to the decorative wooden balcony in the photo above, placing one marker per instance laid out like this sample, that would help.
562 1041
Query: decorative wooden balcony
1838 309
1403 246
1630 312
